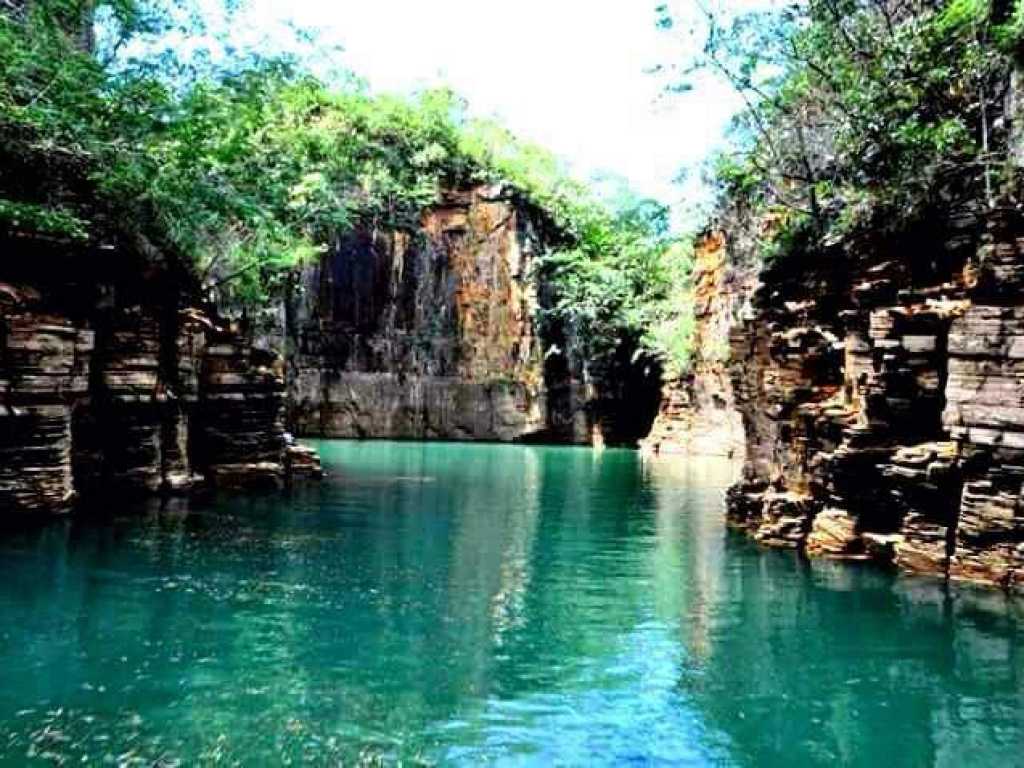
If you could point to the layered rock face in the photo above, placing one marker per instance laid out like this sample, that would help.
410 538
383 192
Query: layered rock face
431 334
697 414
881 396
107 389
44 367
240 415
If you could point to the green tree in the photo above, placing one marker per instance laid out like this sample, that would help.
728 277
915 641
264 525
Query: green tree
860 114
243 165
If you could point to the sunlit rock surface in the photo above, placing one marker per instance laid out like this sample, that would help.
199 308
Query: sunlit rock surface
697 415
433 334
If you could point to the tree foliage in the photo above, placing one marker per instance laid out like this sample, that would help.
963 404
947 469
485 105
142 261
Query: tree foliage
245 165
626 282
861 114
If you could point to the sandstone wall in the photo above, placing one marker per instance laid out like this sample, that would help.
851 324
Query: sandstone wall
698 414
881 399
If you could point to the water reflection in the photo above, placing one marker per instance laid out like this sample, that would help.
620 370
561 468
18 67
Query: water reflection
807 663
463 604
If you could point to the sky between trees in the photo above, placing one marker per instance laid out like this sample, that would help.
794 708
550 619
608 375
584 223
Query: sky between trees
575 76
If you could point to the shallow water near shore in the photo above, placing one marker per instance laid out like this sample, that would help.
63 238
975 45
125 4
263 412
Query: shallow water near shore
468 604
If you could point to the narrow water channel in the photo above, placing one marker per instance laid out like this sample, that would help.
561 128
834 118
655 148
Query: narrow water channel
468 604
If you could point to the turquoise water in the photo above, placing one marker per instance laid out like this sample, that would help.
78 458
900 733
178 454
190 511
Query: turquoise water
462 604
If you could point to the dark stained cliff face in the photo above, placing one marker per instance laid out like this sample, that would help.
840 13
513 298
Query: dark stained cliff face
432 334
109 381
881 400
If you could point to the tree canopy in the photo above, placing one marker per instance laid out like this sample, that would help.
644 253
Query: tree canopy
250 165
861 115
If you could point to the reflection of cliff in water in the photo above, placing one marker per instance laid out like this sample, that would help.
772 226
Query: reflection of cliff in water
460 602
826 663
404 591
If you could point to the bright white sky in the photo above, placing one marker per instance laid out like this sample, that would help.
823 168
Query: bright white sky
567 74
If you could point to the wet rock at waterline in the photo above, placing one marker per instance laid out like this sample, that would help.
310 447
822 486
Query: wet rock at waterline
882 406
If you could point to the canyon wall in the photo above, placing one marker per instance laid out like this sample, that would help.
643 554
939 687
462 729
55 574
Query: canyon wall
882 396
432 333
110 386
111 381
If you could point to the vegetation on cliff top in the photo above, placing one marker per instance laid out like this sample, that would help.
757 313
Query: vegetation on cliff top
248 165
862 116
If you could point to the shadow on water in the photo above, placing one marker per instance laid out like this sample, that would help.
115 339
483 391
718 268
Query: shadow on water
460 604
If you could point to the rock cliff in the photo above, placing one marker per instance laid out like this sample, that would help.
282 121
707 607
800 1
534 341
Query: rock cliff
110 384
697 414
880 390
110 380
432 333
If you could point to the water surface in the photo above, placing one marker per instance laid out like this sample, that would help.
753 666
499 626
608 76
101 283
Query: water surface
468 604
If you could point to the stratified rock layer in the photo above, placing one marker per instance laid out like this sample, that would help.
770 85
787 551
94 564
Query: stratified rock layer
44 365
100 397
882 401
240 416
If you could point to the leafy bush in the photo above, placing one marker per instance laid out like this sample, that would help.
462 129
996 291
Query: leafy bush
627 282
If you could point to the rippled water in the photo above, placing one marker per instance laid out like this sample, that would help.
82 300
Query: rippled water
464 604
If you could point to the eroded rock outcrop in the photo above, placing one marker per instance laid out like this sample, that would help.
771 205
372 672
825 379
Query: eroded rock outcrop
109 389
44 368
697 413
240 415
881 399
